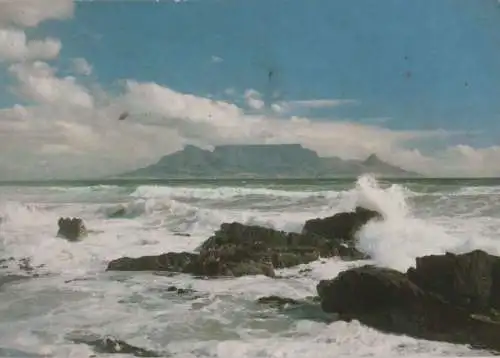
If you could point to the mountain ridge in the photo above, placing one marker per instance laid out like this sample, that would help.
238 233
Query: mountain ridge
262 161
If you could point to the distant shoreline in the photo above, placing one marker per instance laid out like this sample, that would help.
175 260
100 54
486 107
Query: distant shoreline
284 181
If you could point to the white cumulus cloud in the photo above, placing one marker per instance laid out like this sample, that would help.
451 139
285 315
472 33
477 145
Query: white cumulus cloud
81 66
17 14
72 130
14 46
58 134
254 99
38 82
30 13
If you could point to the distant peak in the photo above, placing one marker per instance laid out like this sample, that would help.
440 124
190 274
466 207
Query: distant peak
372 159
190 147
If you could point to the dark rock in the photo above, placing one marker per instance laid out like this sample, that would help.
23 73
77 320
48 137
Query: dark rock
172 261
277 301
469 280
180 291
237 250
184 234
341 226
118 213
72 229
448 298
108 345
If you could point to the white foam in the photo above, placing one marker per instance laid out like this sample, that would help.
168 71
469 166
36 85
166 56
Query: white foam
225 322
223 192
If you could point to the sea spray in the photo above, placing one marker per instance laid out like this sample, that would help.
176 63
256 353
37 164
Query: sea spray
401 237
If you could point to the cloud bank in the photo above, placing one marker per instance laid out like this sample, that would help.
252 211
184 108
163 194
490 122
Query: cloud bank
70 129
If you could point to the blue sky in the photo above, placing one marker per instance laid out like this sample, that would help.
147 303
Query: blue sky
424 64
419 65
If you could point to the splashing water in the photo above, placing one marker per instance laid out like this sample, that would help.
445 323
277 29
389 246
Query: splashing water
401 237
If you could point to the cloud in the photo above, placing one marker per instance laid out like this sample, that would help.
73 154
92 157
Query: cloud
291 106
15 47
69 129
38 82
62 137
30 13
81 66
52 138
14 15
216 59
254 99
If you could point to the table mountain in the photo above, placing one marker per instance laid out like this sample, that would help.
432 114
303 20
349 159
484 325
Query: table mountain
262 161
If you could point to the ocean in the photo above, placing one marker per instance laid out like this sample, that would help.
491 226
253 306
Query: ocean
68 294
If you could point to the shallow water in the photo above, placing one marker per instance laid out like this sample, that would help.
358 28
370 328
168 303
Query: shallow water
72 295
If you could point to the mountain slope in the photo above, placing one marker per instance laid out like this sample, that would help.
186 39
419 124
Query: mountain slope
262 161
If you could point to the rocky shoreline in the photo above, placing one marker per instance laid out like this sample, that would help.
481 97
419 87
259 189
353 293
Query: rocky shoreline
450 298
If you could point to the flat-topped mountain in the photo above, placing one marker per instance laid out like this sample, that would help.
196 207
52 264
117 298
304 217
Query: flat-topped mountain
262 161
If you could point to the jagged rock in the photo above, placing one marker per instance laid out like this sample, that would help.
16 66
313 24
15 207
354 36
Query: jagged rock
448 298
341 226
206 263
172 261
237 249
470 280
72 229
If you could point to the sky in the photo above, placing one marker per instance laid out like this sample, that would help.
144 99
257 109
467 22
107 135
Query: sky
414 82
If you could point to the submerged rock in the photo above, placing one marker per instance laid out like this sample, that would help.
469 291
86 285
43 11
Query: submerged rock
277 301
72 229
108 345
450 298
24 264
237 249
117 213
180 291
184 234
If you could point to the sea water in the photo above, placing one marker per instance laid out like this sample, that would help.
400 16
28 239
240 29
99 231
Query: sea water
68 293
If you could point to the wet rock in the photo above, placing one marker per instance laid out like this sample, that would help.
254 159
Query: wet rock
237 249
448 298
118 213
72 229
470 280
171 261
277 301
341 226
108 345
181 291
183 234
